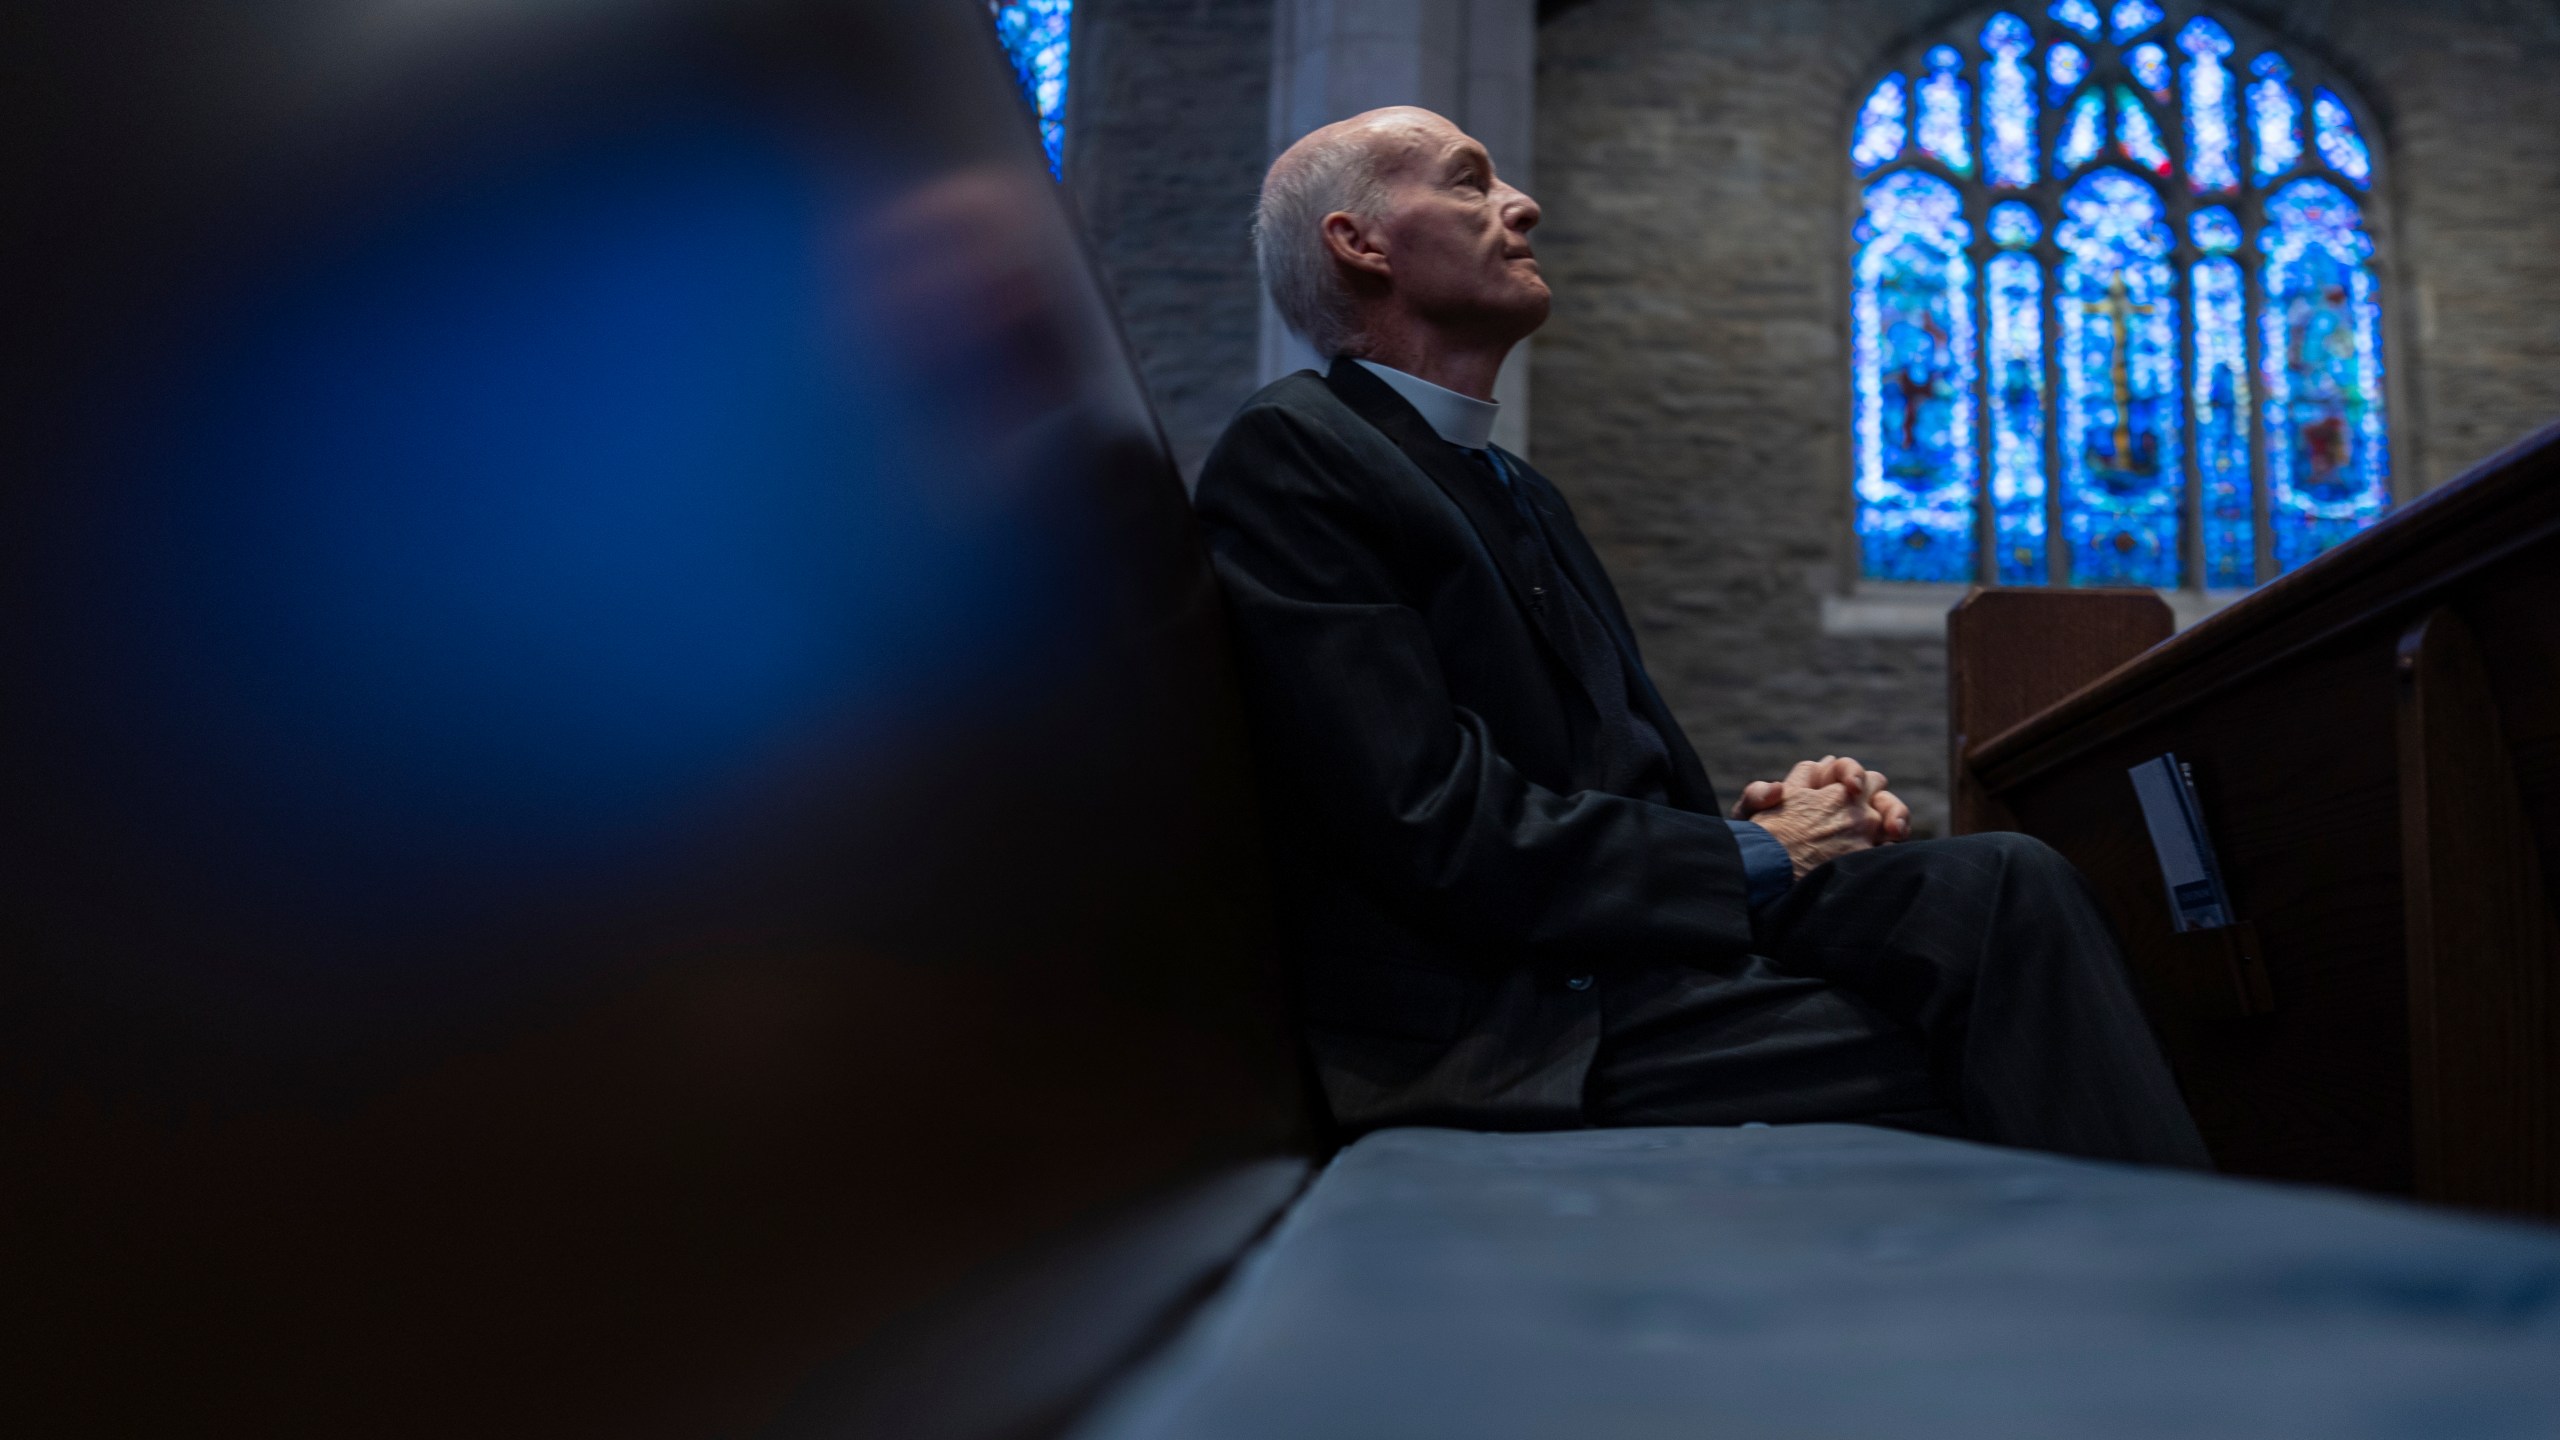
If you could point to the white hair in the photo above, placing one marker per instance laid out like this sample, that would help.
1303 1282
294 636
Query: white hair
1339 172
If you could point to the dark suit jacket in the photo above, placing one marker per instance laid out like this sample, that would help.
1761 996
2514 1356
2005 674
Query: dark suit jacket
1446 872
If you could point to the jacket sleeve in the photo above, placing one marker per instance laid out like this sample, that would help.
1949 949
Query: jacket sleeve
1371 759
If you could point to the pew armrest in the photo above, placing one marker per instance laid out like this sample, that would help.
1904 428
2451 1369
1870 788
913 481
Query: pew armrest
2015 651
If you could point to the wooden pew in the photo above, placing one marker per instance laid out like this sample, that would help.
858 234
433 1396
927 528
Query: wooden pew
2375 741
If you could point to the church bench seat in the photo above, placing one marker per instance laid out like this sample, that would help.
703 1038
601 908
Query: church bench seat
1843 1281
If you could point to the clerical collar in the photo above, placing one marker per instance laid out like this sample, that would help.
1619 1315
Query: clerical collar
1462 420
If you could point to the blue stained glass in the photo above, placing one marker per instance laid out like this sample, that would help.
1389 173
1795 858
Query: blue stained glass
1882 126
2334 131
2137 135
2215 230
2065 66
2080 15
1942 107
2132 17
2275 117
1912 357
2221 403
2213 138
2121 481
2150 65
1034 33
2008 103
2084 134
2014 224
2320 339
2014 287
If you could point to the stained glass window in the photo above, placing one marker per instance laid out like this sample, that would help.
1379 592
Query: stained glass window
2221 401
2150 65
1881 126
2083 135
1942 107
2008 103
2320 343
2275 116
2135 375
2065 66
2136 134
2131 18
2334 131
1912 351
2119 338
2014 285
1034 33
2213 137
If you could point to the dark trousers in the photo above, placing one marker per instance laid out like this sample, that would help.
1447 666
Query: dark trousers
1969 985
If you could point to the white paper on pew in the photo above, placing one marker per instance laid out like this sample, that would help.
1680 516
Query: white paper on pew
2196 898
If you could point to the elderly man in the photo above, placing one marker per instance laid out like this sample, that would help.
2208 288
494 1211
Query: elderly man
1511 898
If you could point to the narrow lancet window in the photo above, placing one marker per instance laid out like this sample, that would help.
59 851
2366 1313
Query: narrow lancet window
1882 124
2334 131
2320 343
2008 104
1942 110
2118 304
2221 400
2275 117
2014 289
2213 138
1913 349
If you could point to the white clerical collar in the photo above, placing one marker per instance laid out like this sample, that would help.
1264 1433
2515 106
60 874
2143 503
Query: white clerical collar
1462 420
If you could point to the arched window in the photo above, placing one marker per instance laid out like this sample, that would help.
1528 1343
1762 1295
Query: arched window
1034 33
2114 312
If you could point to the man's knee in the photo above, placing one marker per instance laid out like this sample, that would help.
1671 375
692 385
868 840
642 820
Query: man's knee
2024 863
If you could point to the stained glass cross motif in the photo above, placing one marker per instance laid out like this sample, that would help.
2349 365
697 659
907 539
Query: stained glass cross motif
2120 312
2076 396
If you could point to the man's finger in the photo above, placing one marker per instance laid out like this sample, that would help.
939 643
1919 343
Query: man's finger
1804 774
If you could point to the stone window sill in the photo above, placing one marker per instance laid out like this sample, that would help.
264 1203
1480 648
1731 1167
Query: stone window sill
1919 612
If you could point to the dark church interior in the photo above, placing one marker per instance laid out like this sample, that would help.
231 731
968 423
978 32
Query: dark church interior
878 1002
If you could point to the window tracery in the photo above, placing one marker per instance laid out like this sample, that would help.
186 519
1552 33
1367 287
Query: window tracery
2083 349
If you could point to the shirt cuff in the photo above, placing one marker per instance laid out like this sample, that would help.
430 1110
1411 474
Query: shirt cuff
1766 866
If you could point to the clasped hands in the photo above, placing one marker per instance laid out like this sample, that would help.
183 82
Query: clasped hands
1825 809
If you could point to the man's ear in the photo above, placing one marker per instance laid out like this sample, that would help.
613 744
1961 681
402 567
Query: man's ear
1355 243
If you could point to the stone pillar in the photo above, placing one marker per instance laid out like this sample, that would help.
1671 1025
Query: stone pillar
1474 61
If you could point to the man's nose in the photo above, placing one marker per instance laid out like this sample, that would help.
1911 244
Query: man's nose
1519 211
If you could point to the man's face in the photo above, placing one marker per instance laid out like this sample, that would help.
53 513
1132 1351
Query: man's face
1457 237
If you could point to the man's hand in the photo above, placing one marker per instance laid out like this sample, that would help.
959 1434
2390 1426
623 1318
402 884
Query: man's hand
1825 809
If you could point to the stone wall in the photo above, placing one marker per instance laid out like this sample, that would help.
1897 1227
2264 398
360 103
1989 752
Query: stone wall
1168 121
1692 384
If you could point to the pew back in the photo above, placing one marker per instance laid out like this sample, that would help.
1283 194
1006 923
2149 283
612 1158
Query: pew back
2376 745
622 784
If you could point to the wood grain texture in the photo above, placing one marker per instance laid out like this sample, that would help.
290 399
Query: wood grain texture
2013 652
2290 709
2481 942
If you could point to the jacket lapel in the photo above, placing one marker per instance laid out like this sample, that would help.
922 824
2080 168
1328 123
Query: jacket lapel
1582 567
1486 504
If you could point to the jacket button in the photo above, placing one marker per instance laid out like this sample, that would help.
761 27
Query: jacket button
1578 982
